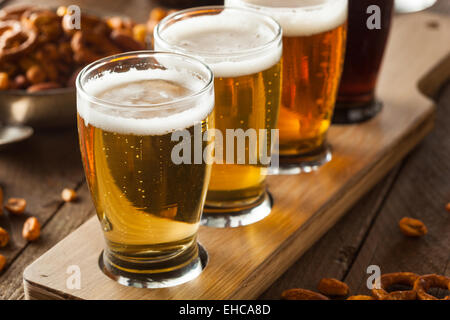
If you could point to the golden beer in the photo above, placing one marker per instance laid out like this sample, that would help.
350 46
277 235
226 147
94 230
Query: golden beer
149 206
314 34
243 49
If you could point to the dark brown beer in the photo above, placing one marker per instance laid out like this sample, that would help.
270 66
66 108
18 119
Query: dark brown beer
364 54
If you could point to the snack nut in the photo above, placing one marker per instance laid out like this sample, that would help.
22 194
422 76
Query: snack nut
16 205
68 195
31 229
2 262
412 227
4 237
302 294
332 287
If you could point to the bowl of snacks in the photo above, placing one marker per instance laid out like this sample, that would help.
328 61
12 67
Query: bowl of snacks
41 54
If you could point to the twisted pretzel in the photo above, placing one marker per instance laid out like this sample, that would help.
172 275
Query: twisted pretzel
424 283
389 279
47 23
15 38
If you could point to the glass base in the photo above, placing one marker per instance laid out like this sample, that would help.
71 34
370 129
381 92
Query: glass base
306 163
348 115
231 218
160 279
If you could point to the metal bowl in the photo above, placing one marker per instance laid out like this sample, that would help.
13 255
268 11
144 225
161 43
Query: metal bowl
54 108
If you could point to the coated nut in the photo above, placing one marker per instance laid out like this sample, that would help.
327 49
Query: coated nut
4 81
332 287
157 14
447 207
31 229
68 195
140 32
412 227
35 75
4 237
302 294
2 262
16 205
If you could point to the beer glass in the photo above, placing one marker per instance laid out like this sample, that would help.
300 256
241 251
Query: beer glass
130 108
243 48
365 50
314 34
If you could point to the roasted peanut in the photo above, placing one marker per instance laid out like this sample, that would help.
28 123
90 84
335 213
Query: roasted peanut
332 287
16 205
360 297
140 33
31 229
302 294
4 237
61 11
157 14
412 227
35 74
4 81
68 195
2 262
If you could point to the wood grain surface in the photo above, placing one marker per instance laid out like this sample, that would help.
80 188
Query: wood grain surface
39 168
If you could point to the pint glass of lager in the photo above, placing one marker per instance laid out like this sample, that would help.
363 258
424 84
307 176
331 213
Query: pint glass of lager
314 33
149 204
368 30
243 48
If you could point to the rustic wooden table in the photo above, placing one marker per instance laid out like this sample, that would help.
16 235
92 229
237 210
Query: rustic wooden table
38 169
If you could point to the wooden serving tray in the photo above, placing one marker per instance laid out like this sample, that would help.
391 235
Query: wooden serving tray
244 261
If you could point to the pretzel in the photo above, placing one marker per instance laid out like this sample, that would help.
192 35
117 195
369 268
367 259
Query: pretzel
89 47
389 279
425 282
13 13
15 39
47 23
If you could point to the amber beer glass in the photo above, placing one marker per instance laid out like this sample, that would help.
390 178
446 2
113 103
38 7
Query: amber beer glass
149 207
314 34
243 48
365 50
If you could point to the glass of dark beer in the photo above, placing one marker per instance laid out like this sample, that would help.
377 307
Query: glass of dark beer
356 100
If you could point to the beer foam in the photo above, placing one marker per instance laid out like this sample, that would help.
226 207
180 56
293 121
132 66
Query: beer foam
121 110
306 18
226 41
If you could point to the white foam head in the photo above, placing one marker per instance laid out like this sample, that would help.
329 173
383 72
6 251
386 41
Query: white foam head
300 18
129 110
233 42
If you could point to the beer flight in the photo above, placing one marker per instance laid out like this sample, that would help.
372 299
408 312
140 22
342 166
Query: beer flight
233 75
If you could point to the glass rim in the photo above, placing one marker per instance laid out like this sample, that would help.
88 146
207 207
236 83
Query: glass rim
143 54
257 7
208 54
